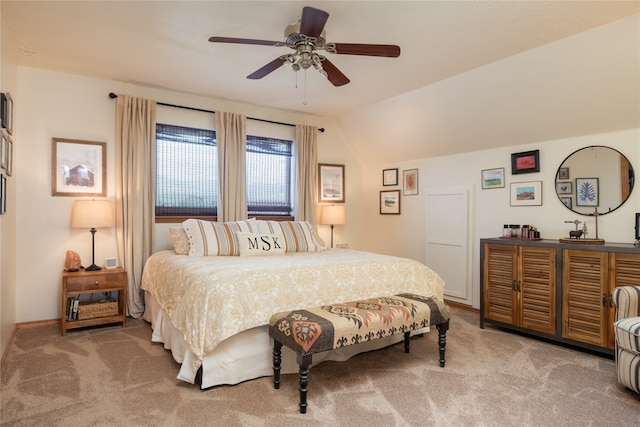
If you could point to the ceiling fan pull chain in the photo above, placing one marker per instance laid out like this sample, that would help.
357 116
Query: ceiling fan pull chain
305 88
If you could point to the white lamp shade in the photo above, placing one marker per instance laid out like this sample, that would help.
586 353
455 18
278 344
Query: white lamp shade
92 214
332 215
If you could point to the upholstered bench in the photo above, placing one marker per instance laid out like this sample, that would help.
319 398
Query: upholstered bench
333 326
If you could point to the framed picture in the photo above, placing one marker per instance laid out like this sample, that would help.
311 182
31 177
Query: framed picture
525 162
6 112
567 202
3 194
493 178
563 173
526 193
637 226
390 202
587 192
78 168
410 182
3 150
9 155
330 183
390 177
564 187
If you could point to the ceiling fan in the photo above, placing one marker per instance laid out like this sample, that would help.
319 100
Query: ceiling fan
306 37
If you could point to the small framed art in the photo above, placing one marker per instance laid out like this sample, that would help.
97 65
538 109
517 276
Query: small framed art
410 182
567 202
78 168
3 194
564 187
390 202
587 192
492 178
330 183
563 173
525 162
6 112
390 177
526 193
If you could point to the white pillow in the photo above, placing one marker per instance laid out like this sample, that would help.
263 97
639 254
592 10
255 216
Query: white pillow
298 235
180 240
252 244
210 238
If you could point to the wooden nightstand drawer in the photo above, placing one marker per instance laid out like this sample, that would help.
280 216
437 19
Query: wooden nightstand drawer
95 282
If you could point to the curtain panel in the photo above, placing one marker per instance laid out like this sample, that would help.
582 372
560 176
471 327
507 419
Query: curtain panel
135 191
307 172
231 139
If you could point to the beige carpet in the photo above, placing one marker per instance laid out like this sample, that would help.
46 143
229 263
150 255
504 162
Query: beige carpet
117 377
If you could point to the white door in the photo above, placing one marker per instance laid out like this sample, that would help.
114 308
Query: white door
447 236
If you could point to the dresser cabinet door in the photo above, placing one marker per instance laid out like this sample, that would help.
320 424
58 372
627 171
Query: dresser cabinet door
585 296
537 289
624 270
499 282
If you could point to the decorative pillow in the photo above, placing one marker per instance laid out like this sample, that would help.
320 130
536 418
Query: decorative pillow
180 240
209 238
260 244
298 235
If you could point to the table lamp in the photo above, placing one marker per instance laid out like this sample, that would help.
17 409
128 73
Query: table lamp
92 214
332 215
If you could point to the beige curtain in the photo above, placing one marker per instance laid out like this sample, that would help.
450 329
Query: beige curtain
231 140
307 171
135 195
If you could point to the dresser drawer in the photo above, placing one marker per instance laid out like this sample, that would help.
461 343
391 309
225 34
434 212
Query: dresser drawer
94 282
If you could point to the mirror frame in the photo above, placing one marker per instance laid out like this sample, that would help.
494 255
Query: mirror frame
557 180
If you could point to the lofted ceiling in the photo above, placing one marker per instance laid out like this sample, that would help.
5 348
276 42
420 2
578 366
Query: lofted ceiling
165 44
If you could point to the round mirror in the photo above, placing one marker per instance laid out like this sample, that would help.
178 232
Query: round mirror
595 177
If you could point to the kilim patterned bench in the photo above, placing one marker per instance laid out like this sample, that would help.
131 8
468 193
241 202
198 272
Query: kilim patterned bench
339 325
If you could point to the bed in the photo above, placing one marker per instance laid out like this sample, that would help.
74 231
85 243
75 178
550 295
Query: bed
212 312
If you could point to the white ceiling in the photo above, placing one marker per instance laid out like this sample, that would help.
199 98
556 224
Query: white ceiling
165 44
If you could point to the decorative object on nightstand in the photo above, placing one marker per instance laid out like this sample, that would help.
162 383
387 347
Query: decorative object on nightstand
332 215
72 261
92 214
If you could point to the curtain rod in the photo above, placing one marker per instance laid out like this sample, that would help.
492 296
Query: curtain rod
113 96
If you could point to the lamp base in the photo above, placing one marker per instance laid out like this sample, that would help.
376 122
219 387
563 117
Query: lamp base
92 267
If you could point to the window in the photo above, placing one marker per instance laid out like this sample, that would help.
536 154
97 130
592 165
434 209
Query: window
268 176
187 174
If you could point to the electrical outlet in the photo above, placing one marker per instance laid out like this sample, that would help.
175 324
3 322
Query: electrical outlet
342 246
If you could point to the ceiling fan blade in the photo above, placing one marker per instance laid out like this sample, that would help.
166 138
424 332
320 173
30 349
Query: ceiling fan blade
215 39
271 66
334 75
388 50
312 21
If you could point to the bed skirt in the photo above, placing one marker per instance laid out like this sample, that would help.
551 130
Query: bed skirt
242 357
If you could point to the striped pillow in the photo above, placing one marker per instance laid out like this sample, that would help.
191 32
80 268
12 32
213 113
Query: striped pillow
209 238
298 235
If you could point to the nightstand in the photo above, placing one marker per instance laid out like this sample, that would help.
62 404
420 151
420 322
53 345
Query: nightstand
83 282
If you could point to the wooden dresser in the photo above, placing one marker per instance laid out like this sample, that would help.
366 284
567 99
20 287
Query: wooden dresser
558 291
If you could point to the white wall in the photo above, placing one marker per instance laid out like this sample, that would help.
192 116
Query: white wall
61 105
402 235
8 220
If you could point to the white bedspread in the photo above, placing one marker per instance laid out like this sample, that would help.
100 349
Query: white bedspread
210 299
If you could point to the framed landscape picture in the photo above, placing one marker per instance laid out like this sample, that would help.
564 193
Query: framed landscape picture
390 202
526 193
330 183
78 168
493 178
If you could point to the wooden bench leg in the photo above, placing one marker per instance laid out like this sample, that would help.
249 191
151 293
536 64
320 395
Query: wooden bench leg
442 340
277 361
407 341
304 361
